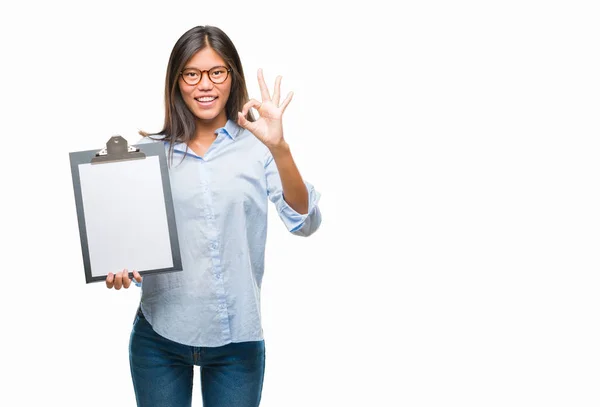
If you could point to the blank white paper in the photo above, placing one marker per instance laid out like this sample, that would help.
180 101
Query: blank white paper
125 216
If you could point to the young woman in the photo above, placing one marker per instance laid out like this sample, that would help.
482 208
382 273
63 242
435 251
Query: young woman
224 164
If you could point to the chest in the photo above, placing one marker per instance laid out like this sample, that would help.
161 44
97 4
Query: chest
228 183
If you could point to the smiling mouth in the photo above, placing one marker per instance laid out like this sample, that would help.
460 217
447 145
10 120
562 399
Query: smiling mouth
206 99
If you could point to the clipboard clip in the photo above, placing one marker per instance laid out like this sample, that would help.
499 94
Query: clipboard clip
117 149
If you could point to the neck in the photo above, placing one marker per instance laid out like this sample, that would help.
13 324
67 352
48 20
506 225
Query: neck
205 130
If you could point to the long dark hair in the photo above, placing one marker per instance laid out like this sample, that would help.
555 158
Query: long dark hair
180 122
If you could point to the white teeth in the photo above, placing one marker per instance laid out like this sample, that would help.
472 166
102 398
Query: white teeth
206 99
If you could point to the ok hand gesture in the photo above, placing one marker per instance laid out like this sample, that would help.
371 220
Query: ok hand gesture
268 128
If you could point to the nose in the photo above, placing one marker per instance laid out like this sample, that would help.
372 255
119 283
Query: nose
205 83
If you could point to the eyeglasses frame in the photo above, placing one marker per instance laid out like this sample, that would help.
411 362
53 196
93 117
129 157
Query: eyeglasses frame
207 71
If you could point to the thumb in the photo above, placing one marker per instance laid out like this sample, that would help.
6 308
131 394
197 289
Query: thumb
242 121
137 276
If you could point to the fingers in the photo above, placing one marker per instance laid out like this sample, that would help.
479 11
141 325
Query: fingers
137 276
126 279
264 91
119 280
242 121
287 101
246 124
277 92
110 280
251 103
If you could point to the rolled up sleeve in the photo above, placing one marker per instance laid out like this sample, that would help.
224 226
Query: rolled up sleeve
296 223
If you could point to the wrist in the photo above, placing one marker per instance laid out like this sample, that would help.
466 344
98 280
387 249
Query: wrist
280 149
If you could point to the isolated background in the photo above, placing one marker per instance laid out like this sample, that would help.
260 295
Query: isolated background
455 145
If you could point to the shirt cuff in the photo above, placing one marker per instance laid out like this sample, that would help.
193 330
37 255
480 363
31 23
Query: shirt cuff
294 220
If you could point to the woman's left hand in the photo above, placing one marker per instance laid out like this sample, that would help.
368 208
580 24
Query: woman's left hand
268 127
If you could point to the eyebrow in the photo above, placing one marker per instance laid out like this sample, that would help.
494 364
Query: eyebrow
198 69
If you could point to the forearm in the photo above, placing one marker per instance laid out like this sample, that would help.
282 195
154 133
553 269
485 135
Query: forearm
294 189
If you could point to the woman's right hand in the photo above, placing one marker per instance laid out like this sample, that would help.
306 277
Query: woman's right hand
121 279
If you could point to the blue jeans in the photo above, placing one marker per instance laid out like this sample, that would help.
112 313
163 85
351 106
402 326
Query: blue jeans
163 370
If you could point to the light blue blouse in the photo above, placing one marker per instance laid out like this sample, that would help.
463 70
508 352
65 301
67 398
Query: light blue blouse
220 205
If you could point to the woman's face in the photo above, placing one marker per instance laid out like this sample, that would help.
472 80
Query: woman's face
206 100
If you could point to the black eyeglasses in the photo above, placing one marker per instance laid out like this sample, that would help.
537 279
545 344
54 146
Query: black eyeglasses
193 76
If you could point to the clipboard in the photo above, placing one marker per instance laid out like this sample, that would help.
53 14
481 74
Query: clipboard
125 209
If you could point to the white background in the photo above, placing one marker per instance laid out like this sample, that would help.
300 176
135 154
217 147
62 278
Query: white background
455 145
